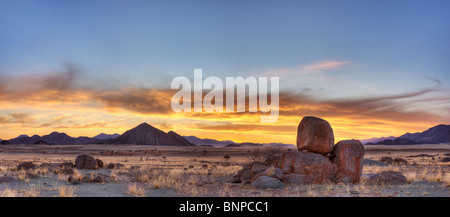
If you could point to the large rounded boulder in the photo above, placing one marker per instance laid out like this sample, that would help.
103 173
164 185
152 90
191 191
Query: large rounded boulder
85 161
315 135
347 157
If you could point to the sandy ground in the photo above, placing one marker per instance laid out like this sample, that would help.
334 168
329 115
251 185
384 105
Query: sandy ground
203 171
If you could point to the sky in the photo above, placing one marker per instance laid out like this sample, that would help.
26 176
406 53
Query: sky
370 68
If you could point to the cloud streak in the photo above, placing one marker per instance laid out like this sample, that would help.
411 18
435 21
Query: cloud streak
313 68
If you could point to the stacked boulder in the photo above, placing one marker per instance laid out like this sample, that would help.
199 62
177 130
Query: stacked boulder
318 159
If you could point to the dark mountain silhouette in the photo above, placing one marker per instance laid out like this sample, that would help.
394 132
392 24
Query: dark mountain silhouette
58 138
376 139
197 141
87 140
244 144
106 136
397 141
55 138
434 135
24 139
145 134
42 142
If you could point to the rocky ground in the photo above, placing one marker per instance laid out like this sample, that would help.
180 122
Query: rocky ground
203 171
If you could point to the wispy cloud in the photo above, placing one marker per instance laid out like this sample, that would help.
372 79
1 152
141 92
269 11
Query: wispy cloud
312 68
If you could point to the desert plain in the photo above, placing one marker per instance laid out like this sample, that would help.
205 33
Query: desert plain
165 171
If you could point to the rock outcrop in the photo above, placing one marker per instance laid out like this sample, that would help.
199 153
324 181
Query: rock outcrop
316 161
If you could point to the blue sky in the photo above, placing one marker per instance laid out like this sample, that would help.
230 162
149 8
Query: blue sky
143 38
332 49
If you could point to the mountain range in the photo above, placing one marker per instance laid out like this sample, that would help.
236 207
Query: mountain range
435 135
145 134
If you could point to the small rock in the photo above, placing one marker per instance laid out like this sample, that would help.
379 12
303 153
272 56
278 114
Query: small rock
66 164
99 179
100 163
445 159
273 172
387 160
115 166
387 178
26 166
400 161
258 169
267 182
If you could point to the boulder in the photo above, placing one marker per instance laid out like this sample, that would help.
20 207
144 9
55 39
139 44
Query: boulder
387 178
66 164
85 162
387 160
257 169
245 174
315 135
115 166
63 170
267 182
315 168
400 161
445 159
26 166
100 163
347 160
294 178
273 172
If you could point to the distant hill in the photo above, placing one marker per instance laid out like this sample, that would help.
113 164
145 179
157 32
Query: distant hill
197 141
106 136
145 134
227 143
244 144
376 139
435 135
55 138
24 139
397 141
58 138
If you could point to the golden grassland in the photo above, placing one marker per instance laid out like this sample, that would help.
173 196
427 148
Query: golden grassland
203 171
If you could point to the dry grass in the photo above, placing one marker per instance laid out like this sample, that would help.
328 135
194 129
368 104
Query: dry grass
8 193
66 191
136 190
23 175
